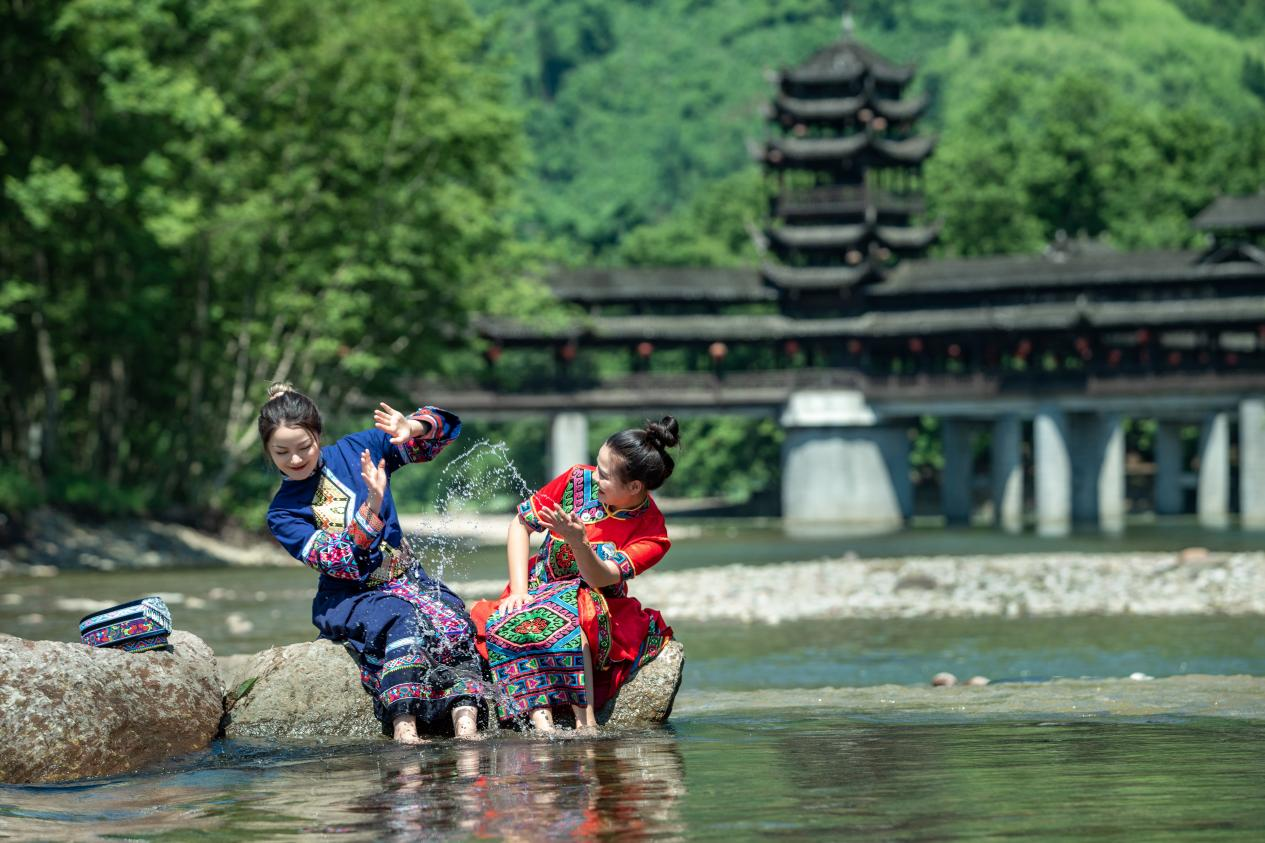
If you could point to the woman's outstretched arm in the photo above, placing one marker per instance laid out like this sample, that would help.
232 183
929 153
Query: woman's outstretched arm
517 549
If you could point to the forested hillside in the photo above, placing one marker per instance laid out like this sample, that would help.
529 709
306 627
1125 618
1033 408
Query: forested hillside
200 196
1117 119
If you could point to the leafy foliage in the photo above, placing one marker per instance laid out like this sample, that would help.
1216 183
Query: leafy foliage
208 196
1116 119
199 197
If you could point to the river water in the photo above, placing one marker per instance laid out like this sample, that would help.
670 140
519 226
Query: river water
812 729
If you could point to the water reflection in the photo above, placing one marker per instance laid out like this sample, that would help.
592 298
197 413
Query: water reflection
529 789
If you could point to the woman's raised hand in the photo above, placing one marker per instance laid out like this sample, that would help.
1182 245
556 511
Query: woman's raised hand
375 477
565 525
392 421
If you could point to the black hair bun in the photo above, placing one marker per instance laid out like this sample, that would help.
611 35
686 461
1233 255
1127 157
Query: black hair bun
663 434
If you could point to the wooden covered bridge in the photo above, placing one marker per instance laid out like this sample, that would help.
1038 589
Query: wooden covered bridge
849 333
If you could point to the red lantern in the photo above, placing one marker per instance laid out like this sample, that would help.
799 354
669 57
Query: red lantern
915 345
955 350
567 352
645 349
1174 358
493 353
854 346
1113 357
1023 349
717 351
1232 359
791 348
800 130
1144 336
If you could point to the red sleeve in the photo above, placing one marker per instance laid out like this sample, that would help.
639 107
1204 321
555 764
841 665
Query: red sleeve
550 493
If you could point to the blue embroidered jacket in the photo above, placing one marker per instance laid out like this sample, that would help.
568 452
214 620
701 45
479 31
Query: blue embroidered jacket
324 520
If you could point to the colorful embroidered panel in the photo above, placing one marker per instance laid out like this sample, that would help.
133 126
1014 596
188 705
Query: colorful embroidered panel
536 654
365 527
332 554
437 436
332 503
438 664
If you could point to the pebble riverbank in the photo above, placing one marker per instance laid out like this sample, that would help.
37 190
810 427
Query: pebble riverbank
1187 582
1190 582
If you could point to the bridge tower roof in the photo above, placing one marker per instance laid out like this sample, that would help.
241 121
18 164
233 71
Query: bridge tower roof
848 163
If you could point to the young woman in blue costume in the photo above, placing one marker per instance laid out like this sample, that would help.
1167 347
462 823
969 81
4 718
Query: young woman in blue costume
409 633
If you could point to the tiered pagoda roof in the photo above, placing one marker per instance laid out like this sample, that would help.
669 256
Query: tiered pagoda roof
862 149
789 110
844 119
846 61
806 237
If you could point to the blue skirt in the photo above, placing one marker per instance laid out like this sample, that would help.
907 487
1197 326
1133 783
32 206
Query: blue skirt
414 646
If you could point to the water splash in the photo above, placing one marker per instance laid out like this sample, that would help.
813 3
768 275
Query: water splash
483 471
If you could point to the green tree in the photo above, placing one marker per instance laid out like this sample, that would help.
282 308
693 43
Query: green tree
207 196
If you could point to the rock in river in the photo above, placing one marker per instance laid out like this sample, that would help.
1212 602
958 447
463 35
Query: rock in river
69 711
313 689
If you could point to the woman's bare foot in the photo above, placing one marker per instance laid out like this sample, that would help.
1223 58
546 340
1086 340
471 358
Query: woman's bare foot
465 721
542 720
585 719
404 729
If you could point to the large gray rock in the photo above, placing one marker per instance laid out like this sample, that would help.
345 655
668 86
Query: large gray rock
648 696
299 691
69 711
313 689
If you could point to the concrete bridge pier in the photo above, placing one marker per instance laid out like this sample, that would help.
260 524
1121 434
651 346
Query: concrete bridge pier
841 468
1252 464
1169 497
1007 473
568 442
957 477
1098 481
1053 471
1213 492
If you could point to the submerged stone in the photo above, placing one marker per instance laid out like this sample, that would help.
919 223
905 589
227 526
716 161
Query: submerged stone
313 690
69 711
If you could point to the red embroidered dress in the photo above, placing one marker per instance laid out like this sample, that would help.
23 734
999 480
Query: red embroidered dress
535 653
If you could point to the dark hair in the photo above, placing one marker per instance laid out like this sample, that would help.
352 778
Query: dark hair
643 451
287 406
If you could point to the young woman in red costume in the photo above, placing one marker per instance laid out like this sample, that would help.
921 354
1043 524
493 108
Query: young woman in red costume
564 633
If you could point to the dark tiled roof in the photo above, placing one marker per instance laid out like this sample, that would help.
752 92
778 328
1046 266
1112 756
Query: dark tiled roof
1233 213
843 236
846 60
960 321
950 275
839 108
816 277
808 151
